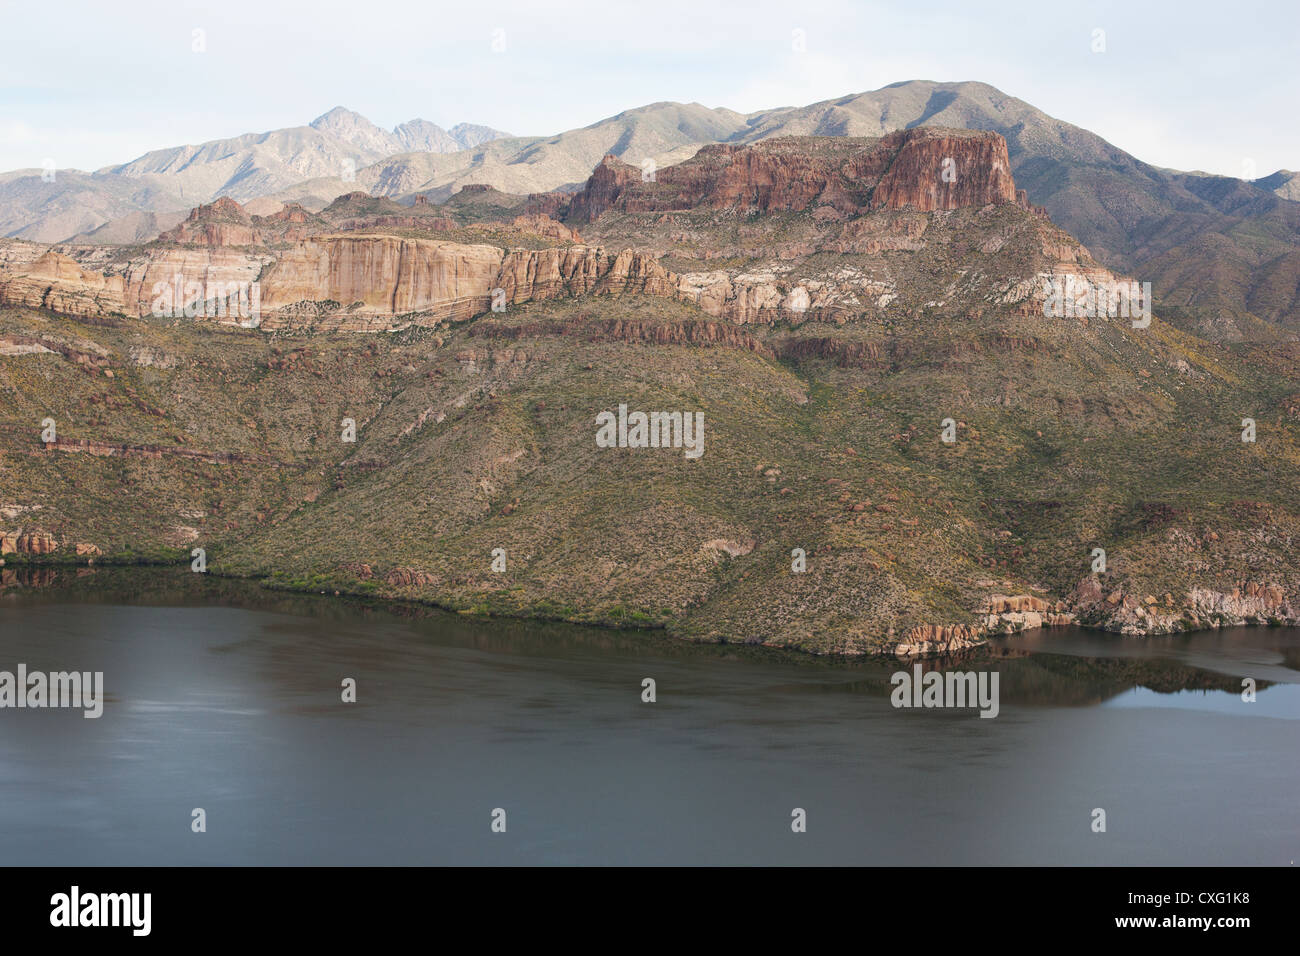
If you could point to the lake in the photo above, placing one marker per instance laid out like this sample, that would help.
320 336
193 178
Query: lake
222 696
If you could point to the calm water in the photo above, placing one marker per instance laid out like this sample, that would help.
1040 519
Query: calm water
224 697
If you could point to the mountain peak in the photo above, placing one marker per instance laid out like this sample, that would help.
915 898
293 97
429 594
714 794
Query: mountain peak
469 135
356 130
334 115
414 136
421 136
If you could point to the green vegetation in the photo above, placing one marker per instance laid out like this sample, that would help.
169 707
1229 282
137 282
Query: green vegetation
822 433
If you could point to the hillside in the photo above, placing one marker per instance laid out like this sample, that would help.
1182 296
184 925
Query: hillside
832 307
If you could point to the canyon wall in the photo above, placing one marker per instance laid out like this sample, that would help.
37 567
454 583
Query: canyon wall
377 282
60 284
351 281
384 275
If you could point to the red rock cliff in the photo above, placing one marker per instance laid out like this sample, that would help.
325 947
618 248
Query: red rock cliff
925 168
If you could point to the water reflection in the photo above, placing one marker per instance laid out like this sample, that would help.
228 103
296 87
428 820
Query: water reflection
226 696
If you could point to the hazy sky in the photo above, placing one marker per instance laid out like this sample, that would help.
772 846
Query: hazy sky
1191 85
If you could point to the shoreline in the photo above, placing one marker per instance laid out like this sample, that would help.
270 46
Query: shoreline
963 638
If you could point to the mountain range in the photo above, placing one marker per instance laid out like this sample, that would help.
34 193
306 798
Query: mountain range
1223 254
136 200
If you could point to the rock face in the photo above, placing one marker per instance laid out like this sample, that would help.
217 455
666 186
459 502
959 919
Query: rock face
389 276
546 227
1001 604
203 276
604 189
1022 612
577 270
58 283
368 282
1250 602
928 640
220 223
369 279
943 169
27 542
385 276
926 168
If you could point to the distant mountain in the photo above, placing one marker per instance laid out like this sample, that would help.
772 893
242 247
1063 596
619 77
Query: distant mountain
664 133
171 181
134 227
469 135
421 136
413 136
76 202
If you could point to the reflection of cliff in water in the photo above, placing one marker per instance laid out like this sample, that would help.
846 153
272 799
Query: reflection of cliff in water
1046 679
24 576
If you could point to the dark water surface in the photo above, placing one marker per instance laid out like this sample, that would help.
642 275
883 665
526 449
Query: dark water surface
225 697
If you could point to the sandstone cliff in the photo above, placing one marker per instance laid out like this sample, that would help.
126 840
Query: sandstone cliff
202 275
384 276
1250 602
577 270
27 542
60 284
368 277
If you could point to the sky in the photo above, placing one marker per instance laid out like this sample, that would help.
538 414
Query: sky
1190 85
